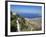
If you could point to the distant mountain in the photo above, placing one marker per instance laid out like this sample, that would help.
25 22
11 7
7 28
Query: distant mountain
29 15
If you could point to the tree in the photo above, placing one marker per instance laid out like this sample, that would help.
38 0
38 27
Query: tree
13 22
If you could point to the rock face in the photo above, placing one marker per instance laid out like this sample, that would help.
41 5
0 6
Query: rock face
30 25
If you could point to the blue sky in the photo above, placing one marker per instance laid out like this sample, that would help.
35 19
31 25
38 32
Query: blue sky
26 9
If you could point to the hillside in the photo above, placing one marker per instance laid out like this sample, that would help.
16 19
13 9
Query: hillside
25 24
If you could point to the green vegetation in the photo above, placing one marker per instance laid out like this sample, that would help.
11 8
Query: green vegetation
24 24
13 23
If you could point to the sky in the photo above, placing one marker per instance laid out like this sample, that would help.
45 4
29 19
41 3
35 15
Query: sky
26 9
